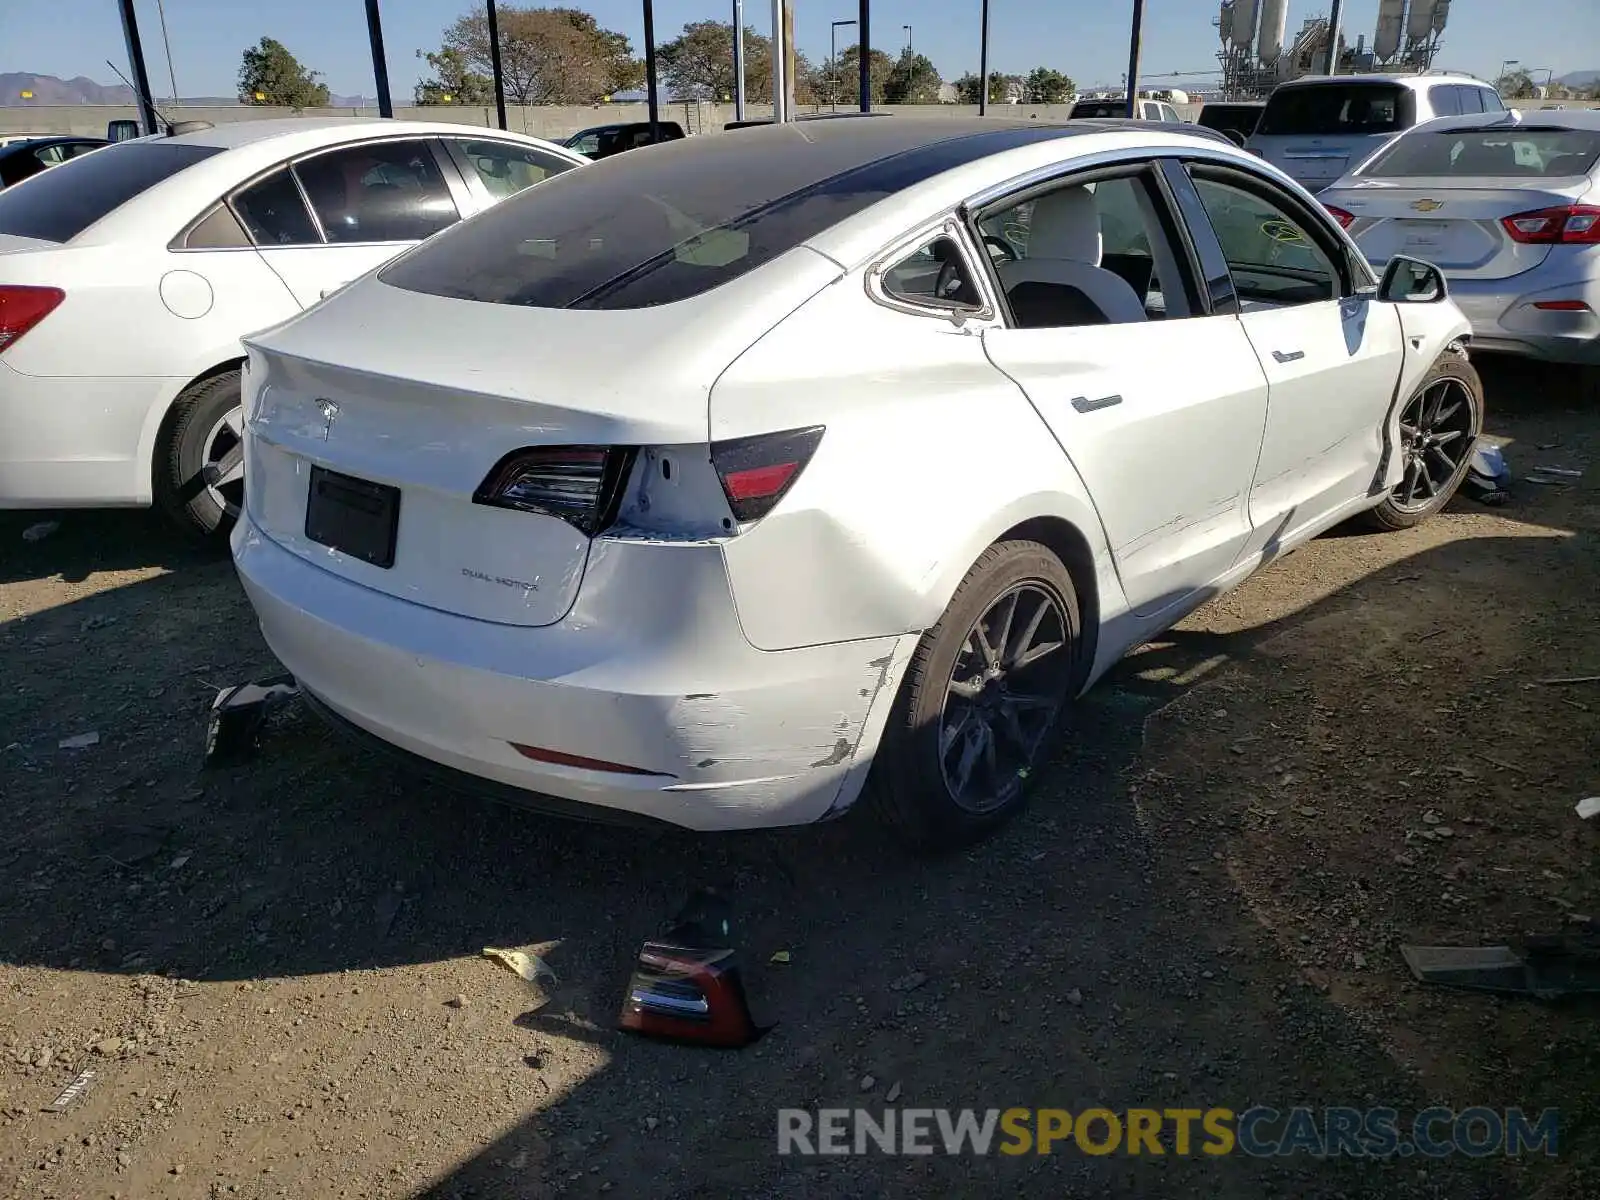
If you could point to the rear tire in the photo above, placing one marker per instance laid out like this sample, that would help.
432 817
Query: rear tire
1003 659
206 423
1440 423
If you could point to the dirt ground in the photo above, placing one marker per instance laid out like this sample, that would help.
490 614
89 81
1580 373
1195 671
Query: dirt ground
274 971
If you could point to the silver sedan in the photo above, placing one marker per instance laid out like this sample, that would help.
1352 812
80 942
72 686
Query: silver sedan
1508 206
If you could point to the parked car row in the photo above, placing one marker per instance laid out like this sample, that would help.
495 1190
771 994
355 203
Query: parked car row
630 494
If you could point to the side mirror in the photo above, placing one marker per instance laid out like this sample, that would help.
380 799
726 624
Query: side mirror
121 131
1234 136
1412 281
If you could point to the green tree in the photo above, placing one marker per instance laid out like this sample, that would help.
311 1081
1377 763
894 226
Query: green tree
1046 86
547 55
454 82
269 74
1516 85
839 82
1000 87
912 80
698 64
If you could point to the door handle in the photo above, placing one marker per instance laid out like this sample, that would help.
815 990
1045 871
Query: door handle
1291 356
1085 405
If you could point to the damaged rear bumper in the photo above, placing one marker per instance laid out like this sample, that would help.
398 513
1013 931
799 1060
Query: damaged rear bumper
650 671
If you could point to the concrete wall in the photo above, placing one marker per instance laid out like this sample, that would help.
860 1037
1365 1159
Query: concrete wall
547 122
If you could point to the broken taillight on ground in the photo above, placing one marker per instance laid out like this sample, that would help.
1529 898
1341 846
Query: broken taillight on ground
687 987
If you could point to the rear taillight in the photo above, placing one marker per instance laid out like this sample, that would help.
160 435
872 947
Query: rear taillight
1561 305
757 471
582 485
1339 215
21 308
1568 225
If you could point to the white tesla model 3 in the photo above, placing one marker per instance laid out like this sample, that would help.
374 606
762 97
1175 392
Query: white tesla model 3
702 483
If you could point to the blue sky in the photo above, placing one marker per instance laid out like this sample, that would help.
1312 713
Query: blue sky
1085 38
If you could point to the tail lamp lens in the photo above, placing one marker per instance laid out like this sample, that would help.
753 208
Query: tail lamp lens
1340 215
1570 224
23 307
757 471
581 485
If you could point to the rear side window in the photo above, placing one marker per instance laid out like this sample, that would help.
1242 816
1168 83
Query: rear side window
274 213
1445 100
62 202
1491 100
1337 108
1496 153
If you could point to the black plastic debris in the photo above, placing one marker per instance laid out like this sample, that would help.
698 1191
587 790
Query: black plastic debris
1546 968
233 732
687 985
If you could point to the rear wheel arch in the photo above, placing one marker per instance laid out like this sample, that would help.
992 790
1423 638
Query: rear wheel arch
169 414
1067 542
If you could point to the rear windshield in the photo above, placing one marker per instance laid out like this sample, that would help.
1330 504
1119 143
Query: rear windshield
1337 108
1501 153
639 230
1100 108
59 204
1242 117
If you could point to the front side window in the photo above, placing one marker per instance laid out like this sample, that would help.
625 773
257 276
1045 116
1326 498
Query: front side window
586 144
506 169
1084 254
936 275
1272 258
1491 100
274 213
382 192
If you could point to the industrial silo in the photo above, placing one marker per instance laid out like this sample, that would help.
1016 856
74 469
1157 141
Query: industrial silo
1441 13
1244 23
1419 24
1274 24
1225 22
1391 18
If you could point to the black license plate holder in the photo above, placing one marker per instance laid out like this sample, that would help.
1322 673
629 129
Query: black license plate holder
353 516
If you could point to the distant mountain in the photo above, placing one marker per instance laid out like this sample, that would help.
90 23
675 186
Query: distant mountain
1580 78
49 89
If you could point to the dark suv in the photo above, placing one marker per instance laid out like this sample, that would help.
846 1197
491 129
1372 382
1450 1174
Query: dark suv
602 141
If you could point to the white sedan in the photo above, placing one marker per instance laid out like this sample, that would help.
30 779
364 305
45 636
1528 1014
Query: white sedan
705 482
128 276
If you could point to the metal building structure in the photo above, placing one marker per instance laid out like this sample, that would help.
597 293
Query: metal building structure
1257 53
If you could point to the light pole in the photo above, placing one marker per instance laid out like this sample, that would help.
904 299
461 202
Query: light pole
780 56
738 60
864 13
1505 68
833 57
907 28
141 81
161 12
650 70
495 67
380 64
1334 16
983 63
1133 56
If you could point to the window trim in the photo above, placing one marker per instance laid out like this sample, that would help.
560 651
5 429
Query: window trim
947 226
1269 190
1116 164
454 182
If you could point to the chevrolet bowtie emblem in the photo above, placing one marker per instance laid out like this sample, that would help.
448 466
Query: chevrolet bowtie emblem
329 411
1427 205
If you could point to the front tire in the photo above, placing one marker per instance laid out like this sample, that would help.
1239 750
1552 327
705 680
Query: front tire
1439 425
980 700
207 422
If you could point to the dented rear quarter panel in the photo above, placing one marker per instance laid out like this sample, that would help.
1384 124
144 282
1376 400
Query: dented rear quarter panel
930 454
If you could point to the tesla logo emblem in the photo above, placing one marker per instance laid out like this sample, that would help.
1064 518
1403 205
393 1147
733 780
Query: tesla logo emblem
329 411
1427 205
